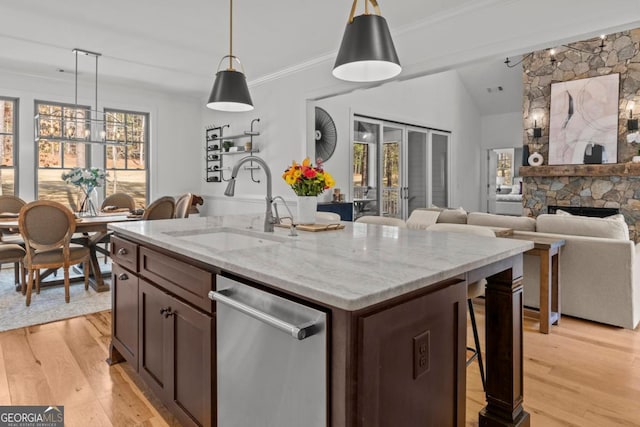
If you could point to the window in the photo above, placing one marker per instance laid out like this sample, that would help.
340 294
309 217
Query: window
127 164
55 155
8 145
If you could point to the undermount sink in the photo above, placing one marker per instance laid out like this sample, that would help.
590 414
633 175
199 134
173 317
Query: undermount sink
228 239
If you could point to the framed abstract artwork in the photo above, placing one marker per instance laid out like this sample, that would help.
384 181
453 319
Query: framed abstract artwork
583 121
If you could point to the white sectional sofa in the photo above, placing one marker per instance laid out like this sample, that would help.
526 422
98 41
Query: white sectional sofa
599 265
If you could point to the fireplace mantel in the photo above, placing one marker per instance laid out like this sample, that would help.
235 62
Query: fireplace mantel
614 169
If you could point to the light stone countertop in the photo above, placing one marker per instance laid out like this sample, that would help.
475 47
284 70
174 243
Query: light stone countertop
352 268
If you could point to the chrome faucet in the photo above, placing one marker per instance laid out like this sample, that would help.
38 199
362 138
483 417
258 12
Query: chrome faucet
278 218
230 191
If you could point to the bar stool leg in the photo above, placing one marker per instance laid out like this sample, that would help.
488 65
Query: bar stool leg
476 339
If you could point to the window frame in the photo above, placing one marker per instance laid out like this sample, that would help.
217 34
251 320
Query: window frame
146 144
63 105
16 142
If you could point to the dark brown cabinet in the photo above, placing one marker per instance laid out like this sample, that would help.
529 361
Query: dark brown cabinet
124 293
176 354
163 325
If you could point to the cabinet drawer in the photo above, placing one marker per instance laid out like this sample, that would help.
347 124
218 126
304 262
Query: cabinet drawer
190 283
124 253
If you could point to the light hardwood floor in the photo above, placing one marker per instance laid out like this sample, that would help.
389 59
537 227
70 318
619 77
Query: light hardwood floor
582 374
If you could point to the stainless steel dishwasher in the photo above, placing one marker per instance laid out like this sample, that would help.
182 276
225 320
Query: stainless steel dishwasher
271 359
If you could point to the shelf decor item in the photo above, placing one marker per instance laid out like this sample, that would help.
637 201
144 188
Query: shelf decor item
87 180
307 181
226 145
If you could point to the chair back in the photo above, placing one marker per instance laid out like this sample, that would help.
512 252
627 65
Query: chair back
162 208
45 225
119 200
11 204
382 220
182 206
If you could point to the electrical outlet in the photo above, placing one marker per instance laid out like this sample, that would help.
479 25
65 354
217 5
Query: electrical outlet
421 350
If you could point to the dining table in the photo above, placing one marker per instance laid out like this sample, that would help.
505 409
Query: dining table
89 232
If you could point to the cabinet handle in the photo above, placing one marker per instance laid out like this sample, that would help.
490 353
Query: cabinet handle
166 312
122 251
123 276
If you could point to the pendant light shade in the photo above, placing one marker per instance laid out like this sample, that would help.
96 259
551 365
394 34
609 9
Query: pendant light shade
367 53
230 91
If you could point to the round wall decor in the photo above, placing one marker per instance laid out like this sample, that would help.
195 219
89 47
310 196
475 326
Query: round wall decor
536 159
326 135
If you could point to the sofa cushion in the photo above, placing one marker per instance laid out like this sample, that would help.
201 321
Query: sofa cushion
575 225
421 219
453 216
520 223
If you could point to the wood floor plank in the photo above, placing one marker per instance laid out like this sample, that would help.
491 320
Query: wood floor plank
60 368
88 351
86 414
25 375
5 396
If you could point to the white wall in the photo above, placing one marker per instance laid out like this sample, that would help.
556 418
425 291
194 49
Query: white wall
176 143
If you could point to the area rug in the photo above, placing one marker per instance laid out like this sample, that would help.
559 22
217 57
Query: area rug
47 307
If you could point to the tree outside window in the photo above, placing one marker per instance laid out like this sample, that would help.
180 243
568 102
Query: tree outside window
8 145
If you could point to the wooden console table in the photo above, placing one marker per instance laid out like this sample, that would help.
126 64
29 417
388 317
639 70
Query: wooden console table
548 249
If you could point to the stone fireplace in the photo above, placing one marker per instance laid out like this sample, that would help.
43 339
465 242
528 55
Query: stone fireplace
604 185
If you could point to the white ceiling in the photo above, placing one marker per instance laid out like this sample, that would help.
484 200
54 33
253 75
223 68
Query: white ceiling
177 45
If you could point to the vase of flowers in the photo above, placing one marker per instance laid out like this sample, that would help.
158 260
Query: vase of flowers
87 180
307 181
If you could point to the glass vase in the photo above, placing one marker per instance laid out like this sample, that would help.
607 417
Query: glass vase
307 207
87 202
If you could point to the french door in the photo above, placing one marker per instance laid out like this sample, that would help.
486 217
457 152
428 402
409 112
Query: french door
398 168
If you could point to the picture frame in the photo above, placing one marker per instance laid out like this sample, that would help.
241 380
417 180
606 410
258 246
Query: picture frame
583 121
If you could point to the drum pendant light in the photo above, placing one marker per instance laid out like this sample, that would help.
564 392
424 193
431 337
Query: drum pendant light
230 91
367 53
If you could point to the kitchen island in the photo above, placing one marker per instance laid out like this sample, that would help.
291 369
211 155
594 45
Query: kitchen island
394 299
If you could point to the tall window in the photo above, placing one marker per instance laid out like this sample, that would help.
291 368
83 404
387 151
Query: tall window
127 165
8 144
57 155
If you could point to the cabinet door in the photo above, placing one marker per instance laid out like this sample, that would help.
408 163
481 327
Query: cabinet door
193 365
124 294
155 337
421 345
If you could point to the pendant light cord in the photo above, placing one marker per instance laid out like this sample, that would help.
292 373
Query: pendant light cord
230 34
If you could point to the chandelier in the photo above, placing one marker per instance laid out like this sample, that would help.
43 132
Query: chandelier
82 124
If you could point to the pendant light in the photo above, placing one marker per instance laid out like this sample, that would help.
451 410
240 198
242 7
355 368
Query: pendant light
230 91
367 53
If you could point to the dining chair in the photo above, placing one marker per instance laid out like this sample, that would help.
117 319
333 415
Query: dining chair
118 201
46 227
13 253
162 208
11 204
474 289
382 220
182 206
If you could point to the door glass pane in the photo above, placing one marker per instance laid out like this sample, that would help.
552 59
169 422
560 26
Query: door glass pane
417 170
391 174
439 170
365 166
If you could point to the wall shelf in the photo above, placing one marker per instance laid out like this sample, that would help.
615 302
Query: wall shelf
612 169
214 152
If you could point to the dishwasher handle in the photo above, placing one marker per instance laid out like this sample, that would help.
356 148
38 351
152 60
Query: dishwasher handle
298 332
